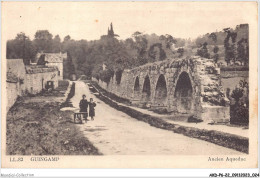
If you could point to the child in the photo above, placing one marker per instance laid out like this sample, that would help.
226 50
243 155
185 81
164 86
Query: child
92 106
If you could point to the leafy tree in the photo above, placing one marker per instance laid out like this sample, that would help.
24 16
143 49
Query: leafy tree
106 75
242 51
237 94
56 44
216 56
230 48
203 51
213 36
21 48
156 52
43 41
245 86
140 43
169 40
180 51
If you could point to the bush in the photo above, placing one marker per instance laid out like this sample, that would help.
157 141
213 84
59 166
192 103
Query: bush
194 119
239 114
106 75
237 94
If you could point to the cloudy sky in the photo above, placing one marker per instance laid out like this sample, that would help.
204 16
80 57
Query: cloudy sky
88 20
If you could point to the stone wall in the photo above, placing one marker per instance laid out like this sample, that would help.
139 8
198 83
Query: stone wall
190 86
12 93
60 69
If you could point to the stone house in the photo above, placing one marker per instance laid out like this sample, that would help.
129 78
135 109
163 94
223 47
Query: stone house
22 80
37 77
54 59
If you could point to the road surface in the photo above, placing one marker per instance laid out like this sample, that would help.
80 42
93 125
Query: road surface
115 133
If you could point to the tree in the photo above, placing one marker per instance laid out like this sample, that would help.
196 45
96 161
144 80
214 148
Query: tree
140 45
21 48
216 56
237 93
156 52
71 68
43 41
66 38
242 51
168 39
180 51
230 49
213 36
56 44
203 51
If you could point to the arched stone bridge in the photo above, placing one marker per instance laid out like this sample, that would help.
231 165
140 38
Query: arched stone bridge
190 86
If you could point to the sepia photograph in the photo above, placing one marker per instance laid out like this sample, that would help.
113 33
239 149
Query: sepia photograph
119 84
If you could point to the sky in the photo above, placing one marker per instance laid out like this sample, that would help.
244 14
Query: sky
90 20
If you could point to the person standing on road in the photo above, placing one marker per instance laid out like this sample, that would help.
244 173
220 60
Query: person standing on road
92 106
83 105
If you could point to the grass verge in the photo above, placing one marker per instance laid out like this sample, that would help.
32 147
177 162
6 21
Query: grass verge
38 127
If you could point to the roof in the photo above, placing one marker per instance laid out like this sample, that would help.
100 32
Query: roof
53 57
33 69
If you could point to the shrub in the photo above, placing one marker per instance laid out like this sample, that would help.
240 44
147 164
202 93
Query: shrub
106 75
237 94
239 114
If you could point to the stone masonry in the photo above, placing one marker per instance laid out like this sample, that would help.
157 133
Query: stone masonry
190 86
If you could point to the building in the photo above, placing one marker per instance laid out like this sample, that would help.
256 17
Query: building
28 79
37 77
53 59
110 32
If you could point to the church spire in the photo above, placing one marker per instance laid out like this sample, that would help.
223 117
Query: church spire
111 30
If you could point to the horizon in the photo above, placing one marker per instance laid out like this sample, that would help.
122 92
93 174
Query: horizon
89 21
130 36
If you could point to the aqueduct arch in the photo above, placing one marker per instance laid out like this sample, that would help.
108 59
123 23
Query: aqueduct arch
183 93
160 96
191 85
146 92
136 88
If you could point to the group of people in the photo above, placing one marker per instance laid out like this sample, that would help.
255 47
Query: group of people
84 104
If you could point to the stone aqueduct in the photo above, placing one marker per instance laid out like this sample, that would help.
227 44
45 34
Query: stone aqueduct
190 86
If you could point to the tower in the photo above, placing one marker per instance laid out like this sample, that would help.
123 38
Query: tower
110 32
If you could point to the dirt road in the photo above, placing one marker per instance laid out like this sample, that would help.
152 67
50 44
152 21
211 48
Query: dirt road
115 133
